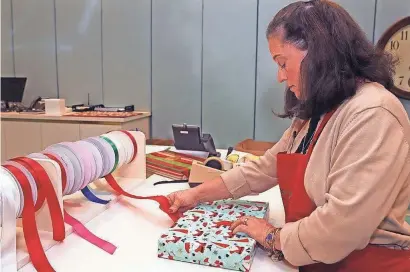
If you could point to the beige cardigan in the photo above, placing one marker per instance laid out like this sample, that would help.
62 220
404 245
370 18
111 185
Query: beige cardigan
358 176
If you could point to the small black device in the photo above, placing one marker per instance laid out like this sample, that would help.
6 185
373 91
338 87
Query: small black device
83 108
129 108
12 89
101 108
189 137
37 105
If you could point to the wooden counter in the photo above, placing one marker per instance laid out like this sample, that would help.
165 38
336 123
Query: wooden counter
68 118
25 133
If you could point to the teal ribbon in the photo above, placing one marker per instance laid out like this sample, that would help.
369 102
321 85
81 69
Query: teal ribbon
114 147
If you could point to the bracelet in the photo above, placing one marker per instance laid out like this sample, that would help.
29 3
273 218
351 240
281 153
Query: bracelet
276 255
270 239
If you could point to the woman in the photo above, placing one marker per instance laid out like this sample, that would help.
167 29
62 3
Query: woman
343 166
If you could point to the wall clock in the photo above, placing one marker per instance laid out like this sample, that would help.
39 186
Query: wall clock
396 40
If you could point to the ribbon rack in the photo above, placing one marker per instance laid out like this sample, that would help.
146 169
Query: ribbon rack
64 193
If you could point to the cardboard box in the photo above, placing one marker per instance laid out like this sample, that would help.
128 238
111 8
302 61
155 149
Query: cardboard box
201 173
201 237
55 107
257 148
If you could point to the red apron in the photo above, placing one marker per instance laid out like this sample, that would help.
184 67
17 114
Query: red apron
291 172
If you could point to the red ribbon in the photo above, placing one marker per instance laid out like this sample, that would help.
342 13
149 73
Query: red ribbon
45 186
162 200
63 173
134 143
87 235
35 249
77 226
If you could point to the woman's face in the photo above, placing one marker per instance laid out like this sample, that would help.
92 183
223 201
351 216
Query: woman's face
289 59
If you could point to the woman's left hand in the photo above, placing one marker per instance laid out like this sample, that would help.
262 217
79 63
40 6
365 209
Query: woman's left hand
256 228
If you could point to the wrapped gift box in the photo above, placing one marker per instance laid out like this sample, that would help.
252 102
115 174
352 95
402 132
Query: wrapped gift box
202 235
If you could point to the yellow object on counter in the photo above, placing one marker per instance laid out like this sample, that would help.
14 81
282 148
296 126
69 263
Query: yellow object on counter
248 158
233 158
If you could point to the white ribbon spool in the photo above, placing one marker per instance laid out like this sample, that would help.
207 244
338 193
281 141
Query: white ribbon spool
10 201
77 166
108 161
97 158
78 156
72 170
63 162
126 142
122 152
29 177
107 154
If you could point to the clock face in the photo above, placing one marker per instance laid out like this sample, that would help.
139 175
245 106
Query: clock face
399 46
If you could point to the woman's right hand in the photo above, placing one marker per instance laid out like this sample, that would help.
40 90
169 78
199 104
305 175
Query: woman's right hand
182 201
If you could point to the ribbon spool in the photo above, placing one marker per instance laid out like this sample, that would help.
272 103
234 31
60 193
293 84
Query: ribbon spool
74 171
65 163
56 158
97 162
46 192
31 181
10 208
84 167
98 157
125 141
78 162
83 164
107 154
87 165
124 146
119 151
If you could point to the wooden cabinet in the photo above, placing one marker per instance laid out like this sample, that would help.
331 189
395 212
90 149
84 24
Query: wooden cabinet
21 138
87 130
52 133
25 134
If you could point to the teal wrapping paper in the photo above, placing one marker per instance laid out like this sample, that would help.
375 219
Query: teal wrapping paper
198 238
